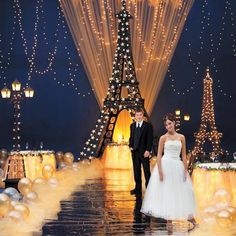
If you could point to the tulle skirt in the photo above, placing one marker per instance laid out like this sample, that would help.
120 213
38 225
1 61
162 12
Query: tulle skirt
173 198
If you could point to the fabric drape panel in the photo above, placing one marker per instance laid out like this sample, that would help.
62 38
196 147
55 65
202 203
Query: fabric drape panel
155 30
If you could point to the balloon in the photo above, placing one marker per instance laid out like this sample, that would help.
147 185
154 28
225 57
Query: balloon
2 163
232 210
224 218
210 210
3 154
3 157
221 198
48 171
38 182
63 166
24 186
53 182
13 203
12 193
4 204
68 158
30 197
15 215
23 209
75 166
59 157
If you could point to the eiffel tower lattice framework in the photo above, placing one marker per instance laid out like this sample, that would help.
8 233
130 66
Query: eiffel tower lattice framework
123 81
207 130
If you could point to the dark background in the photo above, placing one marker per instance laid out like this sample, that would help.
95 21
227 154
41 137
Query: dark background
62 119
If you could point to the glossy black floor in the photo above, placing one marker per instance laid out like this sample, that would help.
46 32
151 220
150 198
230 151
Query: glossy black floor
104 206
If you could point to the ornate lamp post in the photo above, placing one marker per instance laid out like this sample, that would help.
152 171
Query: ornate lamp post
186 117
177 118
16 96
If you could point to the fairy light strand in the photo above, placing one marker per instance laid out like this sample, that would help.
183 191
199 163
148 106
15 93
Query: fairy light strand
31 53
213 44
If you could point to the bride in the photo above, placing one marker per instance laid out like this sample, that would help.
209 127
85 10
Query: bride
169 194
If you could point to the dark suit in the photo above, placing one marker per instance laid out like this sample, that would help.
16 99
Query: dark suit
141 140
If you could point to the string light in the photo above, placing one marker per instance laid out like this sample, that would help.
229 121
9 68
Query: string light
207 130
212 44
123 78
31 53
9 53
155 33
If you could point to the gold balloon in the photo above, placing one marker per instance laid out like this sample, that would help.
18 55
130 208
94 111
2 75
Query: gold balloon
30 197
23 209
3 163
48 171
224 218
5 204
221 198
53 182
3 154
232 210
38 182
68 158
210 210
15 215
59 157
24 186
75 166
13 204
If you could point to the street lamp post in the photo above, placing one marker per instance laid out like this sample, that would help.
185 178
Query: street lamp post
177 120
16 95
186 117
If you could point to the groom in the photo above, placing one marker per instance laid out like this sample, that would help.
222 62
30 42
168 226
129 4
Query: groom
140 143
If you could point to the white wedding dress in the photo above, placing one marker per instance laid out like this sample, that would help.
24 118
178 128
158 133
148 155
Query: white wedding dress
173 198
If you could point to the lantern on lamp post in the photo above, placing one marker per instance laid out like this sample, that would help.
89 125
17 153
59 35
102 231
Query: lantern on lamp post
177 120
16 96
186 117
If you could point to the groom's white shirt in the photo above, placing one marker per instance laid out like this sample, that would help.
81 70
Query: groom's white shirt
139 123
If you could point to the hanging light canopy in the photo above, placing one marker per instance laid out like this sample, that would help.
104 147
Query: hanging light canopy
155 31
6 93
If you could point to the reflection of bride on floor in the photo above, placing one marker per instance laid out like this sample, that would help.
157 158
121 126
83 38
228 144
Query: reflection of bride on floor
169 194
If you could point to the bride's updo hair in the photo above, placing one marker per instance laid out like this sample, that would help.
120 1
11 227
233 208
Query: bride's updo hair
169 116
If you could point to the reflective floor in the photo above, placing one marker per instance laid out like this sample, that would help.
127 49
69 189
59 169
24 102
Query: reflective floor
104 206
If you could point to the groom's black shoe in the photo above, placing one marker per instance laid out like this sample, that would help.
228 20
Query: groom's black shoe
136 191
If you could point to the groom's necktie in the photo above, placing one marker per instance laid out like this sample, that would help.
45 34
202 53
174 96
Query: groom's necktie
137 134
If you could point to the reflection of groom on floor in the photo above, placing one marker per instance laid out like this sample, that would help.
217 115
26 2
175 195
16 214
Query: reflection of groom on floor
140 143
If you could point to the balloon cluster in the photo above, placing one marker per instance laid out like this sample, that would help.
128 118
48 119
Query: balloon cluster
15 204
221 212
12 206
66 161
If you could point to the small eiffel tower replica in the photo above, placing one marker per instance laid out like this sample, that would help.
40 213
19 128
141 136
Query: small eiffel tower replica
207 130
122 82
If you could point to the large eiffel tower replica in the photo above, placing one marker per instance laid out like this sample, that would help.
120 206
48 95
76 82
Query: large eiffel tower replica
123 81
207 130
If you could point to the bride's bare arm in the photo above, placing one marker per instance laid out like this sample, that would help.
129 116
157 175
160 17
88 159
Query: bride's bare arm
183 152
159 156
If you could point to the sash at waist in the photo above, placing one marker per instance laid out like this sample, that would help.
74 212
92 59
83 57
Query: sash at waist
171 156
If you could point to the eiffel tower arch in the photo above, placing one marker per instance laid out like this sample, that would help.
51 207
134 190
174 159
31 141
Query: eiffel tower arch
122 82
207 131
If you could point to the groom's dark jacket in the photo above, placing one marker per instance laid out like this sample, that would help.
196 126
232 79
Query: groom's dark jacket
145 141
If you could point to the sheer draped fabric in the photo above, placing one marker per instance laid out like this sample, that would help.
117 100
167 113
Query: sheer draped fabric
155 30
